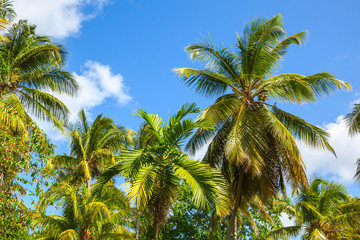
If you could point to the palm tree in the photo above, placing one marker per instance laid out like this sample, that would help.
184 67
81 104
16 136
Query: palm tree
31 65
323 211
156 168
254 140
353 122
84 216
7 11
92 148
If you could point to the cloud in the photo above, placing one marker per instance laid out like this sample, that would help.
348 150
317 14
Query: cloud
286 221
58 18
321 163
97 84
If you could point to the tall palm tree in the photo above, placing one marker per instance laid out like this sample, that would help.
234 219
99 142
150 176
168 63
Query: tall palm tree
353 122
92 148
254 138
31 65
155 169
323 211
83 215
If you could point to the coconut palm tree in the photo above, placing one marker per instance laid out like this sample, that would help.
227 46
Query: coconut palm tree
92 148
31 66
254 138
353 122
83 215
156 168
323 211
7 11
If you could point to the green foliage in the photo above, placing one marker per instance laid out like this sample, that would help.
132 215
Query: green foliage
252 149
84 215
186 221
92 148
7 10
31 65
322 211
156 167
264 226
22 162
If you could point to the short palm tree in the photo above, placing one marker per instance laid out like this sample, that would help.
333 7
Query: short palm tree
353 122
156 168
323 211
31 65
83 215
254 138
92 148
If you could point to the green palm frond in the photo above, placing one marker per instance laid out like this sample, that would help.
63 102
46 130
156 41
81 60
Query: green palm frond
219 59
297 38
280 233
54 223
205 81
185 110
313 136
201 178
291 87
58 161
69 234
7 10
353 120
13 116
141 188
154 121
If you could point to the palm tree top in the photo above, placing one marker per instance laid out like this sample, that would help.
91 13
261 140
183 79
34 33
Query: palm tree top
248 68
93 147
31 67
322 211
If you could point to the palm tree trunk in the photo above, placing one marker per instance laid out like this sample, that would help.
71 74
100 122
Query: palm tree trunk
138 225
233 222
235 229
88 184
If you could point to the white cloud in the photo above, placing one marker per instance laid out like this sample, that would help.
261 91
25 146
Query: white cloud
286 221
97 83
321 163
58 18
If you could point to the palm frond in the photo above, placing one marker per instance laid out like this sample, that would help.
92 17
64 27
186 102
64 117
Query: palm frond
280 233
313 136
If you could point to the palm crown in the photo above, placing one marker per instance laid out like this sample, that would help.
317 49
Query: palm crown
156 167
253 137
92 148
323 211
31 65
84 215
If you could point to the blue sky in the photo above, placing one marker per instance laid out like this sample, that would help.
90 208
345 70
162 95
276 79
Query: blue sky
123 52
